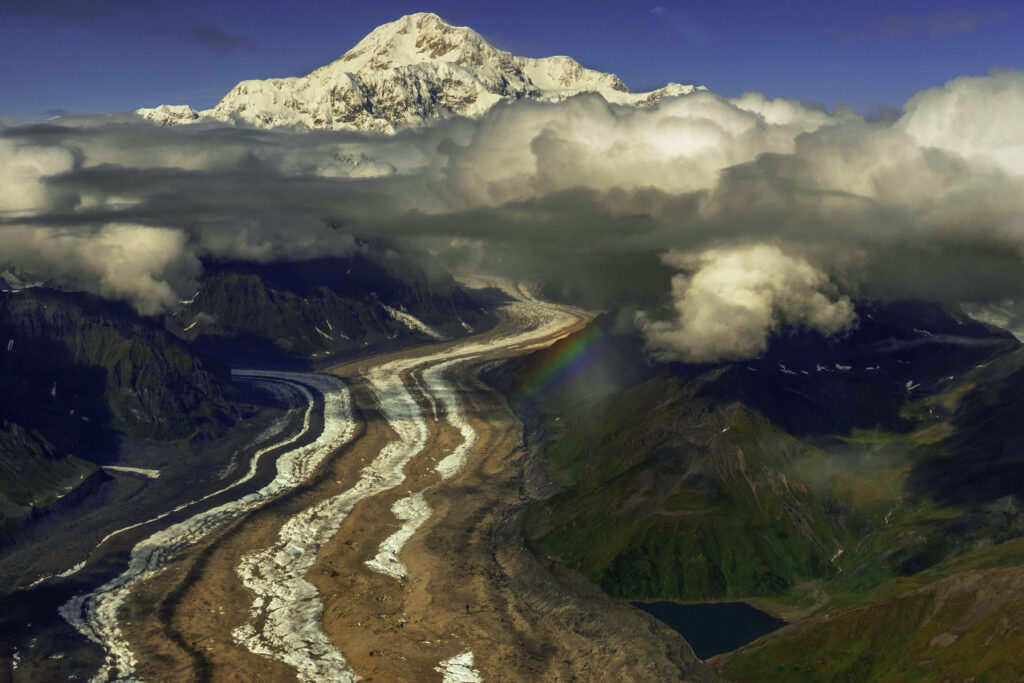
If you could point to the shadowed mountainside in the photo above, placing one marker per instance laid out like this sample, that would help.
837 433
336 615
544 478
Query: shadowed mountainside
77 372
295 312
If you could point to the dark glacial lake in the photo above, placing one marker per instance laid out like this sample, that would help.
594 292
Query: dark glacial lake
713 628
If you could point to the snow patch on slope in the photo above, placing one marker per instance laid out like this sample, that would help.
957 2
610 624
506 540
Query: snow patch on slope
459 669
413 323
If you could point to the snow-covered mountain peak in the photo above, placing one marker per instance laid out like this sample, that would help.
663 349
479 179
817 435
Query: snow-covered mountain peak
405 74
415 39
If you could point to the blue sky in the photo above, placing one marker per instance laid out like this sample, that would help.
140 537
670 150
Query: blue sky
113 55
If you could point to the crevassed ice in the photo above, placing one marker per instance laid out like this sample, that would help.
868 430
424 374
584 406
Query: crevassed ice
95 614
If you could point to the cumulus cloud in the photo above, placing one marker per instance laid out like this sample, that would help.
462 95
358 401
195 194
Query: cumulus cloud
732 300
977 118
583 194
529 149
143 265
23 173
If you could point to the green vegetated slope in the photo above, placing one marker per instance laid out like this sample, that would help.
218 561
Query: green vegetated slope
33 473
39 467
666 497
960 620
682 484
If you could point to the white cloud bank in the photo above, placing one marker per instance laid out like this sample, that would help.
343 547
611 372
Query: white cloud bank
736 298
144 265
929 205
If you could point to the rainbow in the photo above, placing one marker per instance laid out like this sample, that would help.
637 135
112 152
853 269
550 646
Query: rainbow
563 362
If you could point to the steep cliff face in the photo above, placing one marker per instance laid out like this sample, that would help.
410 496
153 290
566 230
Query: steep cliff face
404 74
375 298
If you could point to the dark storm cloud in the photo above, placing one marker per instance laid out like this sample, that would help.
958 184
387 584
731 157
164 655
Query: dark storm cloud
748 213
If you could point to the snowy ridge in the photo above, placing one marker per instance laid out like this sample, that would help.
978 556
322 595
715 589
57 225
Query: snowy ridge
405 74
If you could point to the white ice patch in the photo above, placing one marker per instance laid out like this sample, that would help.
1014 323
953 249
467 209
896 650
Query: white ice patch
447 397
149 474
59 575
459 669
835 557
413 323
285 615
413 511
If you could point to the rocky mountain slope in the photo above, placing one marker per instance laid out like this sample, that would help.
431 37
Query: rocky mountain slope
405 74
67 350
77 372
373 299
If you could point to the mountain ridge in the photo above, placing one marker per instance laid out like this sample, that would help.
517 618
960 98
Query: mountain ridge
404 74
